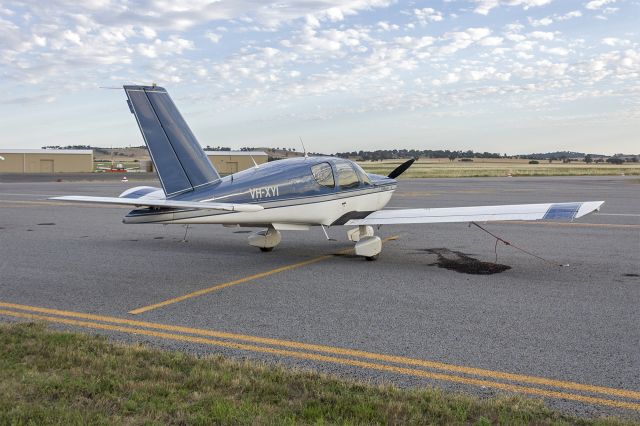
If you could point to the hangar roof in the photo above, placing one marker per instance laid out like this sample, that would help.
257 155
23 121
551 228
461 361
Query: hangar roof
46 151
254 153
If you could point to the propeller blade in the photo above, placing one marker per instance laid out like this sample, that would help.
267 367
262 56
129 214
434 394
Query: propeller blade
401 168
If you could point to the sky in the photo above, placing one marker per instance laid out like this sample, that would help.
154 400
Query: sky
508 76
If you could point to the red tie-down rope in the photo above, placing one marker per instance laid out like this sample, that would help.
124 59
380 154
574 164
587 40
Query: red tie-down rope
507 243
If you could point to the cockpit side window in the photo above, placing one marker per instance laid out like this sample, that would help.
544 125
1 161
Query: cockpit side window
323 174
364 177
347 177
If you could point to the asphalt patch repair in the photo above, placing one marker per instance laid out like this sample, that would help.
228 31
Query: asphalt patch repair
463 263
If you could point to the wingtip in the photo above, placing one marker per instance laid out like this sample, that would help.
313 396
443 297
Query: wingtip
589 207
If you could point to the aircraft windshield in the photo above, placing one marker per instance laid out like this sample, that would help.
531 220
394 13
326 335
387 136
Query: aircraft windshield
347 177
323 174
363 175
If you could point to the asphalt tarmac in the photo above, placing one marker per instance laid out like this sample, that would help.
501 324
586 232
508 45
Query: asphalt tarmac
436 309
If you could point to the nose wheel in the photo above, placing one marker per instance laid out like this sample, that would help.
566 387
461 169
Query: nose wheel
368 245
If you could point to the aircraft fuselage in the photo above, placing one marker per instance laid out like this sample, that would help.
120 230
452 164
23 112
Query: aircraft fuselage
293 192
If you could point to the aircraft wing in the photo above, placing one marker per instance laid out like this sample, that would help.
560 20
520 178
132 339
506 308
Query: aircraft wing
550 211
162 203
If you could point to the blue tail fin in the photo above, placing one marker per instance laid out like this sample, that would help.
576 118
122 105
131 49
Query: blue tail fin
180 161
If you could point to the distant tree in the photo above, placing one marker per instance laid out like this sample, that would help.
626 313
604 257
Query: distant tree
588 159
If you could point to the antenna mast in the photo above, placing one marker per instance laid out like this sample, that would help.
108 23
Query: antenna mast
303 148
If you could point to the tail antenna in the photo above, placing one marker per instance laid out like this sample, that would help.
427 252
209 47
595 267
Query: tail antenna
303 148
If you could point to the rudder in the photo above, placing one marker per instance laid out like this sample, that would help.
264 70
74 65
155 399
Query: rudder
180 161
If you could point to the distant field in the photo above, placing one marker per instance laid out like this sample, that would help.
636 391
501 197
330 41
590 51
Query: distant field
443 168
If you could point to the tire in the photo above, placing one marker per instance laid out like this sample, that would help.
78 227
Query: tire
372 258
266 249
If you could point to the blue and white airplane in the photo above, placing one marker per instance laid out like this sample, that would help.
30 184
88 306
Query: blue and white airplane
292 194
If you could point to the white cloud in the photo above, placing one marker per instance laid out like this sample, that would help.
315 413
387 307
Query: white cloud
525 45
334 14
148 33
213 37
39 41
173 45
72 37
560 51
597 4
543 22
570 15
515 37
427 15
613 41
385 26
483 7
491 41
463 39
541 35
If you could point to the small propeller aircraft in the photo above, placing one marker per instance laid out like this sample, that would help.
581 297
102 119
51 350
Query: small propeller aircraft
116 168
291 194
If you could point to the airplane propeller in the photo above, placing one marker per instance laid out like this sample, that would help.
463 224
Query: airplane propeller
401 169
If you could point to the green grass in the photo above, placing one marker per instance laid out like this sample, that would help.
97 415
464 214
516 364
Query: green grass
439 169
49 377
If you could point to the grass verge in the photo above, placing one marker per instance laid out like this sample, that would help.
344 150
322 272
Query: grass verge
49 377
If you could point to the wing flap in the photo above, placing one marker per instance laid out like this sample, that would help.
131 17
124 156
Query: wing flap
162 203
550 211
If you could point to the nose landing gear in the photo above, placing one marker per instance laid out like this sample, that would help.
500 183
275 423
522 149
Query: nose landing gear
368 245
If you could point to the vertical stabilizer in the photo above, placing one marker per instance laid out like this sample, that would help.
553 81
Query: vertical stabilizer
180 161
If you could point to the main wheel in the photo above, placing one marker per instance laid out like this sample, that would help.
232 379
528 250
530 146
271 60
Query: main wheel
372 258
266 249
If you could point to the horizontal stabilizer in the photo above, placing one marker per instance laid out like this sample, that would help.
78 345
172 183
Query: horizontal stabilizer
163 203
549 211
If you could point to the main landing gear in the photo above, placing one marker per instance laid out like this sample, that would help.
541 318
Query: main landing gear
266 239
368 245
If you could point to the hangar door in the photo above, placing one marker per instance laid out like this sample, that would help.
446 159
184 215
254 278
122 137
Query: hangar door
46 166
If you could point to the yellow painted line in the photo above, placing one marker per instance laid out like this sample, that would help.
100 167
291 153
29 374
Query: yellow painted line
624 393
334 360
240 281
569 224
